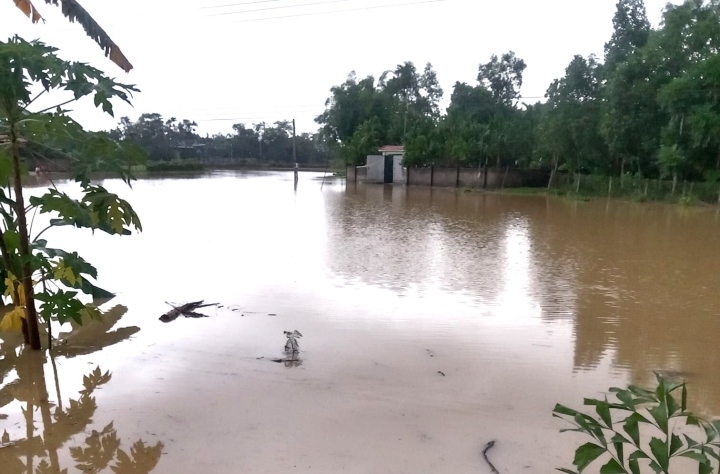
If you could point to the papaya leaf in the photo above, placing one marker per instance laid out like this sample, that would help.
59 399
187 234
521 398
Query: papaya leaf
63 305
12 321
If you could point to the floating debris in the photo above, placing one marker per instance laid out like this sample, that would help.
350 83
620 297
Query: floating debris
484 453
441 373
187 310
5 441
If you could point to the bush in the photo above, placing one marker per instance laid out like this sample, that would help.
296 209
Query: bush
641 429
175 165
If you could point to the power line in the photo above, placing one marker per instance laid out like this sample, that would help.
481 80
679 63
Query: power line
341 11
241 118
278 8
241 4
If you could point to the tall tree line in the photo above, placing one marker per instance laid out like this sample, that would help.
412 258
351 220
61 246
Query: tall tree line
650 108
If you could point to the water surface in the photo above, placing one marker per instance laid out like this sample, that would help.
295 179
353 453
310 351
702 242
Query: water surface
434 321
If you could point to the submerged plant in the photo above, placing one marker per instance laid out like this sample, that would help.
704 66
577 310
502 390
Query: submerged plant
640 432
292 345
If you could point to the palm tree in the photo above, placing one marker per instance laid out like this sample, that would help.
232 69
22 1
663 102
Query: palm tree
73 11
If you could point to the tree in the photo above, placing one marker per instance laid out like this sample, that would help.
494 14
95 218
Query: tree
693 103
575 113
74 12
24 135
503 77
631 31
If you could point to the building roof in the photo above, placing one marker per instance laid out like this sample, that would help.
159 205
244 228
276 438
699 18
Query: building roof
392 148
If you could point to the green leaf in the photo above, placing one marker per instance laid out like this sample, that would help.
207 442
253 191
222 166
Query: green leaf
563 410
676 444
699 457
705 469
691 442
632 427
656 467
684 397
612 467
659 449
602 409
672 405
633 461
62 305
591 426
660 415
566 471
586 454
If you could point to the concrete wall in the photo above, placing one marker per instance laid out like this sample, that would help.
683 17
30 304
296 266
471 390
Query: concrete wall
445 177
470 178
399 172
420 176
375 169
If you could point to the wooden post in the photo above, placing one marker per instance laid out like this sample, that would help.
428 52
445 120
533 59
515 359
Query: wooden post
684 187
457 177
610 187
432 175
577 187
502 186
295 171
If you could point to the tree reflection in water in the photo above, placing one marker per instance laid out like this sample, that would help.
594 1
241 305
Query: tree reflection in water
61 423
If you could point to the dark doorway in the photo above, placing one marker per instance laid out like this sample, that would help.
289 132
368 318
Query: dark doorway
388 169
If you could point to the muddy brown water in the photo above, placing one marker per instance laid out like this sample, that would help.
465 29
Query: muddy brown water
433 321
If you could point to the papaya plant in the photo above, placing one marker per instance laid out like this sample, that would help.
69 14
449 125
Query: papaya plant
643 431
31 270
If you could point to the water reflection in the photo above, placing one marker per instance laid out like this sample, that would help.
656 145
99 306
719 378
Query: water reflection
637 281
54 441
481 245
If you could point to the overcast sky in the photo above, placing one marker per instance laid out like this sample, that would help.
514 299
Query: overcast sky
220 64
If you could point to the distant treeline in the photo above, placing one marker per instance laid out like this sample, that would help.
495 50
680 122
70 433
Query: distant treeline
650 109
262 144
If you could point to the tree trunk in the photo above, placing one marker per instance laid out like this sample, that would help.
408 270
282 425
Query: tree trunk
26 280
553 172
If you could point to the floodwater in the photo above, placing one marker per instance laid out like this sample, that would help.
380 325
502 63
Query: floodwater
433 322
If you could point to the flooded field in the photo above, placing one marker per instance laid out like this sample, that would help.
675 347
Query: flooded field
433 321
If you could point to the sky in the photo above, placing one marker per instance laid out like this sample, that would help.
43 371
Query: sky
220 62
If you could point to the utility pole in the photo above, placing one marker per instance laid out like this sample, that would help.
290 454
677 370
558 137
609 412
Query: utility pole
295 156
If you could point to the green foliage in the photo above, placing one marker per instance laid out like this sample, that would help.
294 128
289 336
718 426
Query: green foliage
650 110
503 77
28 68
172 145
642 429
175 165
